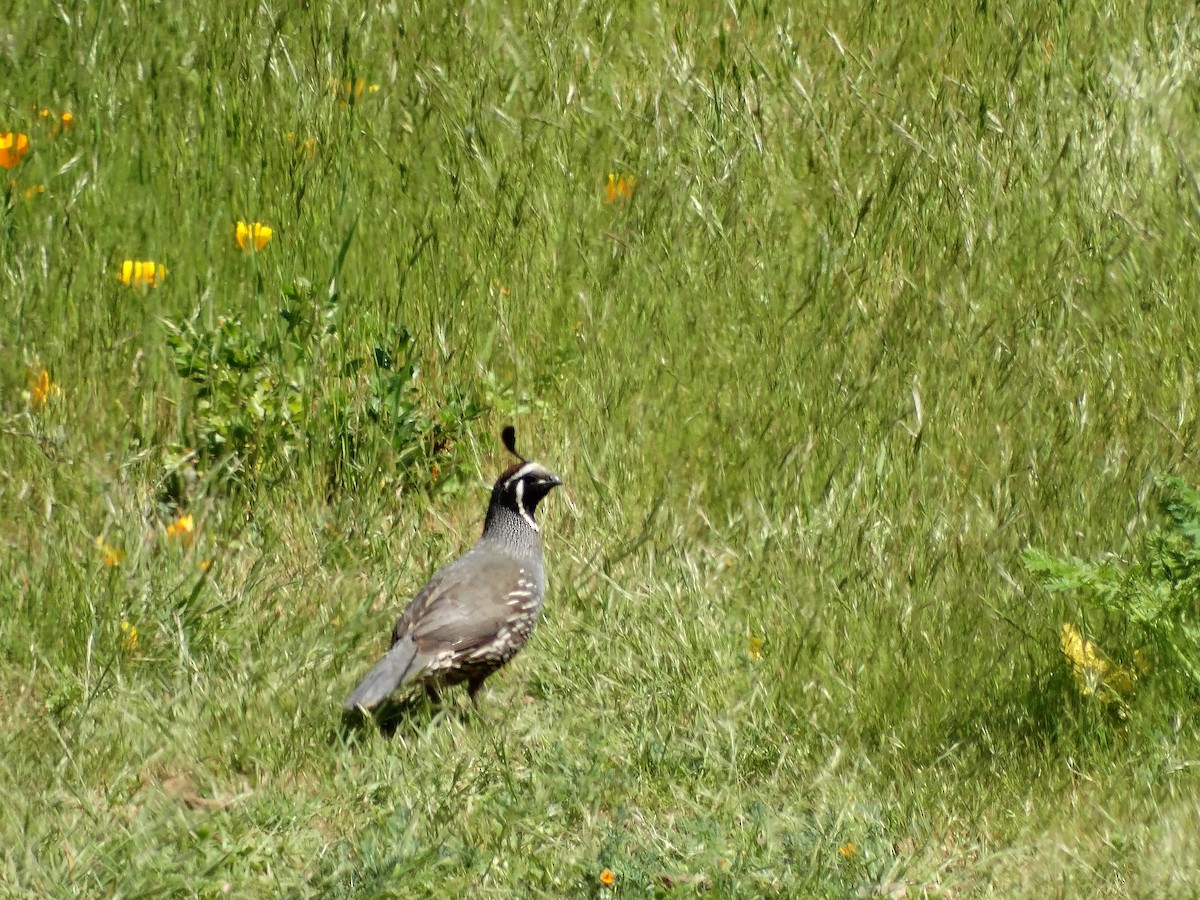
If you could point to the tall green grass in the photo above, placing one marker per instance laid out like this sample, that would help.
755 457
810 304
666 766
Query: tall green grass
900 292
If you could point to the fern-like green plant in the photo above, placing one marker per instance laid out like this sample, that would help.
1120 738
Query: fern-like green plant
1152 598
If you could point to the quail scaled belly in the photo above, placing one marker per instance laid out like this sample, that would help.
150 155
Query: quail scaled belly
476 613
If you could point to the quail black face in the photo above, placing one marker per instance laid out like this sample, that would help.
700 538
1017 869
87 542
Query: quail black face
522 487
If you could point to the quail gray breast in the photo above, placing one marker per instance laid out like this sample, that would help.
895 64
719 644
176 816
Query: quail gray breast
476 613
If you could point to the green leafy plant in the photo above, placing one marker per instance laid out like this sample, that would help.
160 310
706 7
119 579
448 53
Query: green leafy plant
260 397
1148 601
247 399
422 423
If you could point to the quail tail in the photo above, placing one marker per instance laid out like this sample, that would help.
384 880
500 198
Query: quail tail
389 673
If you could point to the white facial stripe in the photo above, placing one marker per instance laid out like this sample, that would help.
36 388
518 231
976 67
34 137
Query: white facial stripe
521 500
528 469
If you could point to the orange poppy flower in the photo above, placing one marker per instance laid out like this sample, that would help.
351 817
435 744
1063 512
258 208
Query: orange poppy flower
12 148
142 272
619 187
252 235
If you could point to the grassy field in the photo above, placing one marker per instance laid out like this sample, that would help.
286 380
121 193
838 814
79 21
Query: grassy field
884 295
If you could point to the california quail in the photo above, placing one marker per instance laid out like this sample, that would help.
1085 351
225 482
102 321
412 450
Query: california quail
476 613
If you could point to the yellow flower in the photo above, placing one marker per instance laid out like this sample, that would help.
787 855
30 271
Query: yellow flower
619 187
607 877
33 190
60 122
205 565
754 647
183 528
308 146
12 148
41 389
129 637
142 272
847 850
348 88
110 555
252 236
1095 675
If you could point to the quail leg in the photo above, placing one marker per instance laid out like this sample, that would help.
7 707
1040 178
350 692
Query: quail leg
473 687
